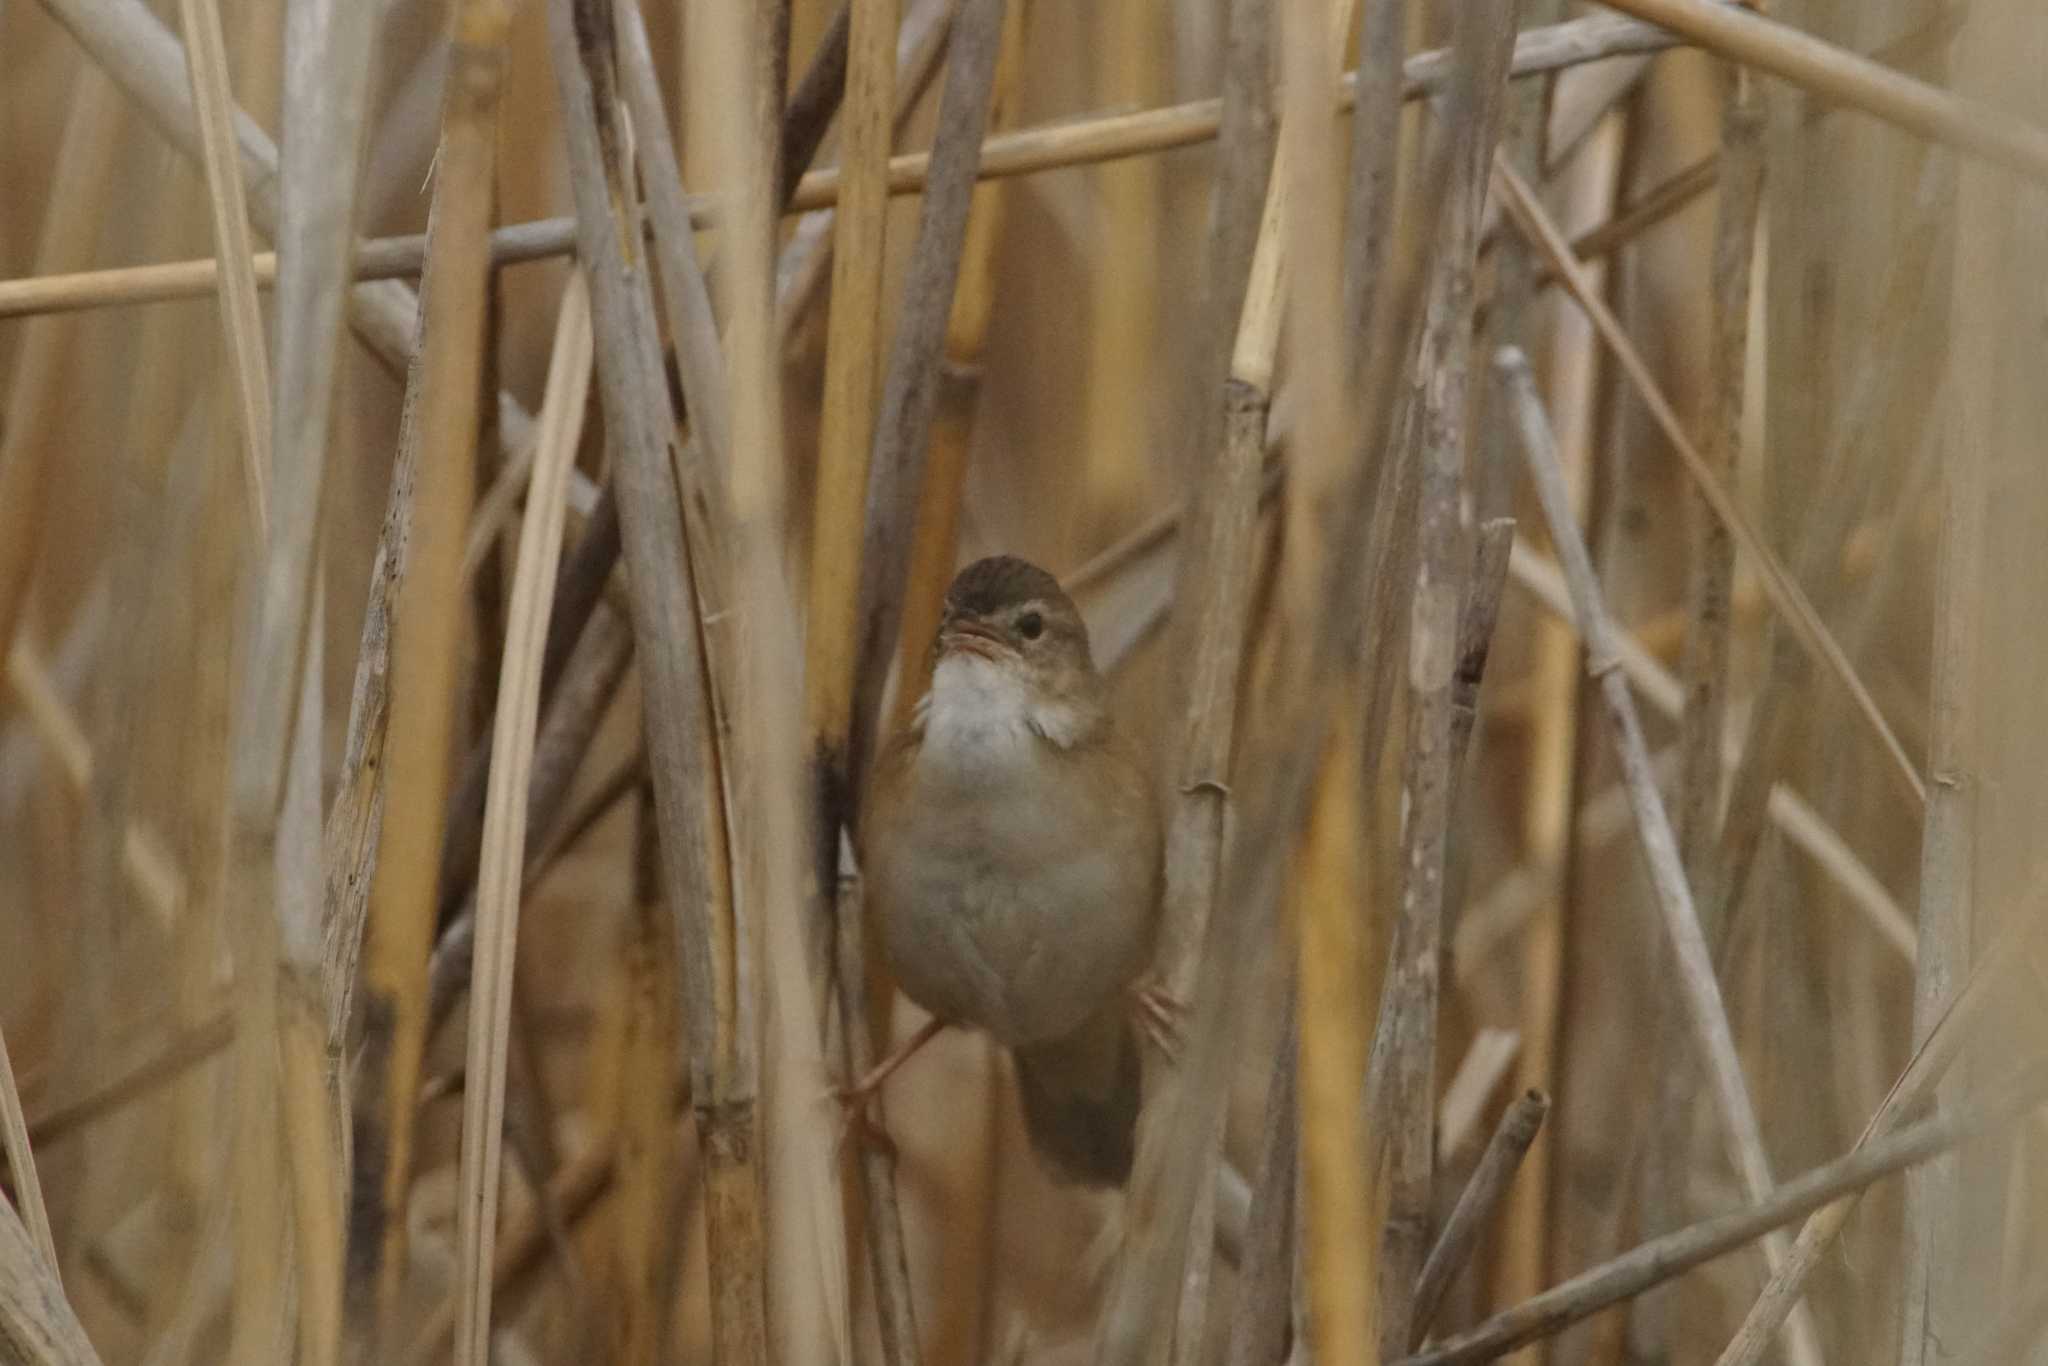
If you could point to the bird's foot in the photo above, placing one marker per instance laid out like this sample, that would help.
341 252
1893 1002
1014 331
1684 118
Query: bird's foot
1161 1015
854 1100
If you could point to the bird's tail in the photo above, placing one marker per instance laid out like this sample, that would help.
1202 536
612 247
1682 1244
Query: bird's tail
1080 1096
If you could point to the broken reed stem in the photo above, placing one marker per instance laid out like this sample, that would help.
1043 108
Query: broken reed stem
480 61
664 572
909 396
1409 1002
1702 993
37 1324
1786 596
1073 142
241 316
1660 1259
1484 1191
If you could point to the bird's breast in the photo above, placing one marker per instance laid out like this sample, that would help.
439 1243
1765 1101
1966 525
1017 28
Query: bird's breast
1015 896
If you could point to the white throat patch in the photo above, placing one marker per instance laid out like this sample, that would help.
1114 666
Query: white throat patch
979 715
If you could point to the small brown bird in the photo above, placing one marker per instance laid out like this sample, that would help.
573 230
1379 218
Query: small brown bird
1012 845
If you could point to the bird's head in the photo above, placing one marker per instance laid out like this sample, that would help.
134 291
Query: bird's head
1014 618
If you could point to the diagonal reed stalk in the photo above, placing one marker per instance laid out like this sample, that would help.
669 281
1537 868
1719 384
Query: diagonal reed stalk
1656 1261
1697 983
1785 595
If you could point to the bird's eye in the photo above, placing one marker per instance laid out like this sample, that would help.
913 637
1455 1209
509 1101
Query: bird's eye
1031 626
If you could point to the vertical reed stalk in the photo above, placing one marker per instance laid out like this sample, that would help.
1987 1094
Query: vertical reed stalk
1409 1004
426 625
476 77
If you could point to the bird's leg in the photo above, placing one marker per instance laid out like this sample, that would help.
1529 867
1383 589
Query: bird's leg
854 1099
1160 1014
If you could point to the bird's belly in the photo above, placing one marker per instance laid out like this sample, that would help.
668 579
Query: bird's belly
1024 947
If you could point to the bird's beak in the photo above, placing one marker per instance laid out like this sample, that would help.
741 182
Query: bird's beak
969 635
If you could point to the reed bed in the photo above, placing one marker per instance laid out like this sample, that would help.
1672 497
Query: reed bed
1555 488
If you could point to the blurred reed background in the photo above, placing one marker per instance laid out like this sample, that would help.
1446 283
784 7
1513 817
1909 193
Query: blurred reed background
433 703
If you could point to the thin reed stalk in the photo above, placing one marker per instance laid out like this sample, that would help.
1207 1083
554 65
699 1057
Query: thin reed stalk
480 49
1483 1194
1701 991
1662 1258
1785 595
1070 142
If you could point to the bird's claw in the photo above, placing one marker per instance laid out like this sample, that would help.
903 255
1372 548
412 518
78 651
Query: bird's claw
856 1119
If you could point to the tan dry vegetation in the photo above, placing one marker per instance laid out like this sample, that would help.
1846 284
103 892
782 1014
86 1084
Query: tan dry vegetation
1565 910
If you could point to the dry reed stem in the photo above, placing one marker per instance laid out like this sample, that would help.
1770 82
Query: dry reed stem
853 342
37 1325
425 625
667 597
807 257
21 1166
241 316
505 808
274 794
1483 1194
909 396
936 545
1071 142
1794 817
1704 670
572 714
1409 1003
1937 1236
1843 77
1785 595
685 296
1212 593
570 723
76 201
590 566
1660 1259
1697 982
1870 408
